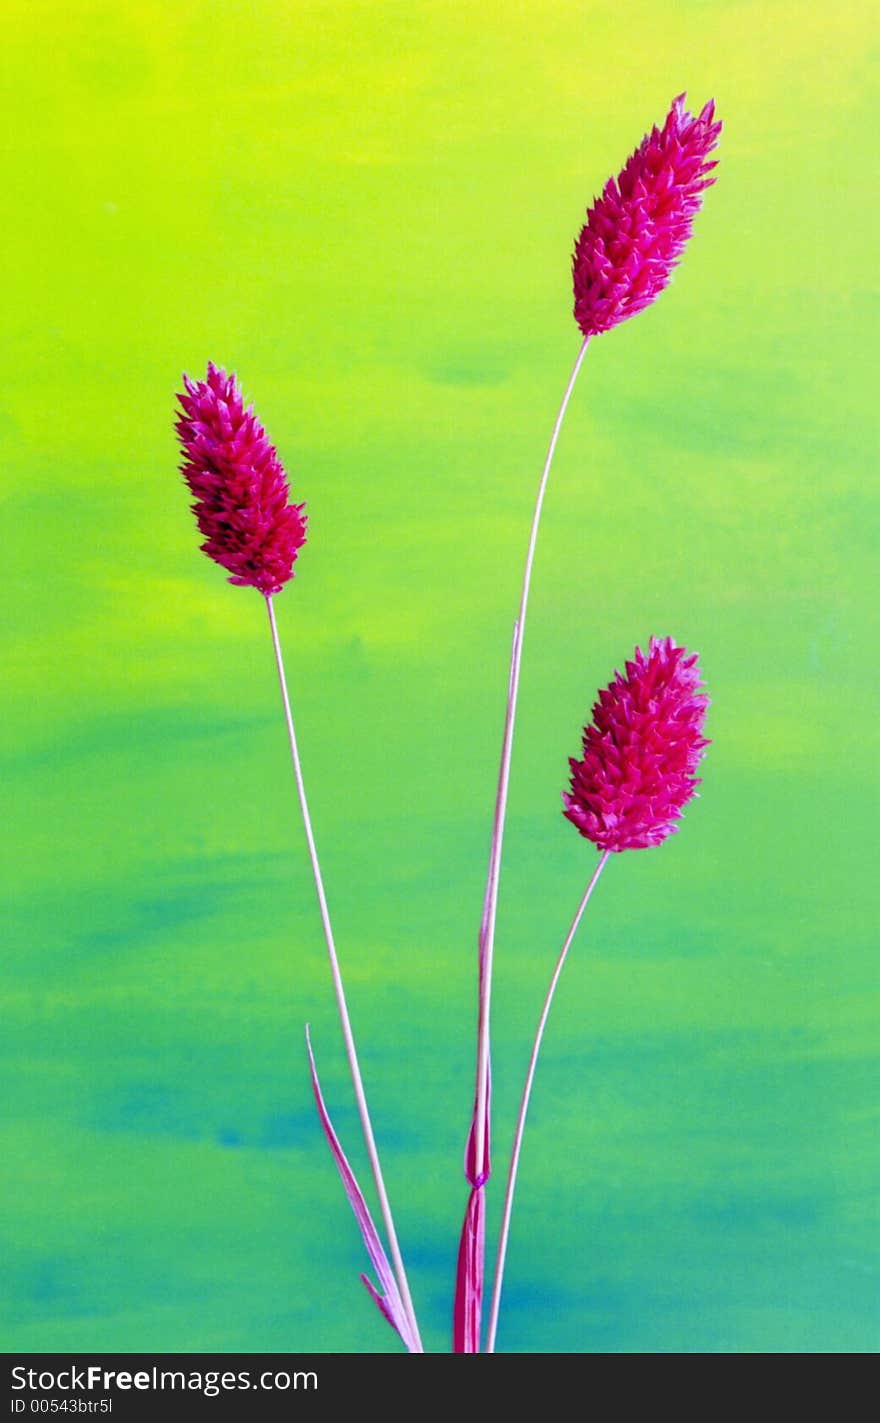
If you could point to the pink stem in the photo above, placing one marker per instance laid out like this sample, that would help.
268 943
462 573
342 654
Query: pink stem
490 903
524 1107
477 1156
347 1033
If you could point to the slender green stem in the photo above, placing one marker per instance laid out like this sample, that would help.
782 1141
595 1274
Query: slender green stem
524 1107
348 1035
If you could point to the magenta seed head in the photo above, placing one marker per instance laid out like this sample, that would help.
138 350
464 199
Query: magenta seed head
242 499
640 751
637 229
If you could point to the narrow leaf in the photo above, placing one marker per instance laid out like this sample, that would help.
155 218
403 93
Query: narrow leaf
469 1277
387 1299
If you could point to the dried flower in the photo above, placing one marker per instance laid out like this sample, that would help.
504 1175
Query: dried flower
636 231
239 484
640 751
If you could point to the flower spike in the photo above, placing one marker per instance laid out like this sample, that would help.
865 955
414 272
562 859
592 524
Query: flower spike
636 231
633 238
640 751
241 492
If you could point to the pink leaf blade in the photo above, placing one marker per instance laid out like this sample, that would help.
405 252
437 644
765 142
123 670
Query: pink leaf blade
470 1156
387 1300
467 1311
379 1300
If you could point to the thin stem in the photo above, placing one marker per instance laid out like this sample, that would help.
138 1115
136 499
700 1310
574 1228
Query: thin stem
490 903
347 1033
524 1107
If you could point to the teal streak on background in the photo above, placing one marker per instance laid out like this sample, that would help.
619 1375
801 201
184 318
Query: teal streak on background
367 210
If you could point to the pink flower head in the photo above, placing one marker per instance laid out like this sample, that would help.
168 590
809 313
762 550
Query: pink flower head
636 231
241 491
640 751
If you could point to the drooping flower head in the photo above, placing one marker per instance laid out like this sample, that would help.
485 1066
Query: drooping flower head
636 231
241 491
640 751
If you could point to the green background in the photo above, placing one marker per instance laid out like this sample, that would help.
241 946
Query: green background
367 210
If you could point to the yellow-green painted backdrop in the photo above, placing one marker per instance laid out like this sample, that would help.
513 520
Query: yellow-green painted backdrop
367 210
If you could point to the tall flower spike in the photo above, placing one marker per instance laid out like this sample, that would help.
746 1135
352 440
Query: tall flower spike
640 751
636 231
241 491
252 530
634 235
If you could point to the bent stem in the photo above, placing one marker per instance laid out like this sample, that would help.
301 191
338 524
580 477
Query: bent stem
478 1159
344 1019
524 1107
